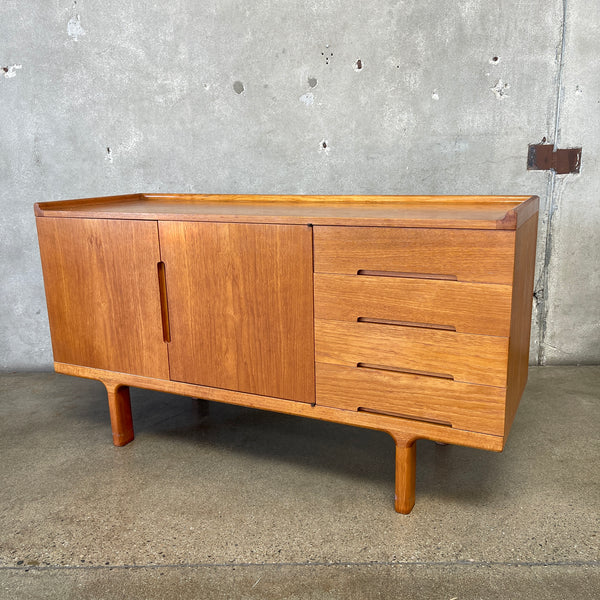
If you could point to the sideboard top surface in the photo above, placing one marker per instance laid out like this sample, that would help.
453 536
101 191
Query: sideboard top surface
453 212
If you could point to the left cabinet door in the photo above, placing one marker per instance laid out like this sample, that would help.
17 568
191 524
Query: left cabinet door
102 291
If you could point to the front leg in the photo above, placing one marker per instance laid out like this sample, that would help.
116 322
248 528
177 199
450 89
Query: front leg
406 469
119 404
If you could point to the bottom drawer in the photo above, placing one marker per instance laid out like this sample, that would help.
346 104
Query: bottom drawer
454 404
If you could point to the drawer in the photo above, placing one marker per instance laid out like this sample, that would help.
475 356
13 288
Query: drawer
460 405
455 254
454 305
447 354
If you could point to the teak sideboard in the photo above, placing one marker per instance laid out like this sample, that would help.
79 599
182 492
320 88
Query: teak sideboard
405 314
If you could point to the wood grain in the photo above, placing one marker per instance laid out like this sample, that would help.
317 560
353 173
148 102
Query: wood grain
406 475
240 306
522 300
461 405
469 358
468 307
455 212
119 406
68 207
480 256
102 294
525 210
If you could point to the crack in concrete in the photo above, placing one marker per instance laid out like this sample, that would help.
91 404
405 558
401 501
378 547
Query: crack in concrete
561 62
554 198
375 563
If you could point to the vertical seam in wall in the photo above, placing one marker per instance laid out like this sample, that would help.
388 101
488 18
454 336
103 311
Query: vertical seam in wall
559 91
553 197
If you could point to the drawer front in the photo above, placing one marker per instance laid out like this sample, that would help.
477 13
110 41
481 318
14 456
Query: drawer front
447 354
462 255
463 307
460 405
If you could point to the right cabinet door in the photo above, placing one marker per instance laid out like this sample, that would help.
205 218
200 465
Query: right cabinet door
240 301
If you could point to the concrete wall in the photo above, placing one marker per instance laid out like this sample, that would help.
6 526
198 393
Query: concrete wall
231 96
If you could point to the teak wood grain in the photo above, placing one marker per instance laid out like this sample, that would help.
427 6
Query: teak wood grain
102 294
406 474
465 357
467 307
467 406
119 406
522 301
465 255
240 306
462 212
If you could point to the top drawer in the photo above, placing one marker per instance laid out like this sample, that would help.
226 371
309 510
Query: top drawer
455 254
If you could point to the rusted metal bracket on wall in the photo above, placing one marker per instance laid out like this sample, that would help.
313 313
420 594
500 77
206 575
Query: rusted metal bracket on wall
543 157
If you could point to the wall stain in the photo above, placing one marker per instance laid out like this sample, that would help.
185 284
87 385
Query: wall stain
238 87
74 28
308 99
500 89
327 54
312 82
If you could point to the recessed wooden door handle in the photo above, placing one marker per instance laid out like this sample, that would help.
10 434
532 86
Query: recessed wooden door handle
164 308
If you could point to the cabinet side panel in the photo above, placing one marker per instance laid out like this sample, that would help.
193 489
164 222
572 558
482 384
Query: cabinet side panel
240 306
102 293
520 327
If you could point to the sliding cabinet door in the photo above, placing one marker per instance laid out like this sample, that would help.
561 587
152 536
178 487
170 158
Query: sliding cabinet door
102 291
241 306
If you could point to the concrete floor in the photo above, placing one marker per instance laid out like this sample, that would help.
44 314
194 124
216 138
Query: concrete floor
249 504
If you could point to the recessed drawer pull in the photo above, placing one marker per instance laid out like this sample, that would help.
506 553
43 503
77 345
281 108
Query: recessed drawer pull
405 323
407 275
403 416
362 365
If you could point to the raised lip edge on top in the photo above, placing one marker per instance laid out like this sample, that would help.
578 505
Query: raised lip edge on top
522 207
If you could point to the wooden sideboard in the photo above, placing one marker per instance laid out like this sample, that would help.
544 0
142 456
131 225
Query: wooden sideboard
405 314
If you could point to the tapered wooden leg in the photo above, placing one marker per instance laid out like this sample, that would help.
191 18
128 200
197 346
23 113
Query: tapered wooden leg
121 422
406 468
